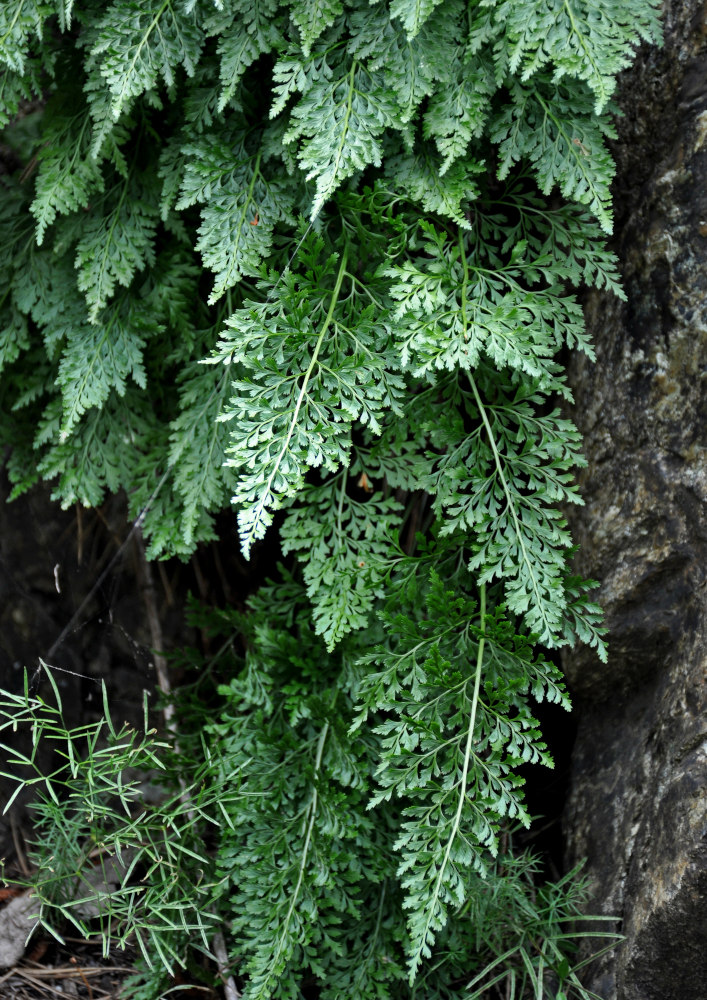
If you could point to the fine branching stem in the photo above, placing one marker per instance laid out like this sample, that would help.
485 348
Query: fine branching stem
160 661
301 396
461 787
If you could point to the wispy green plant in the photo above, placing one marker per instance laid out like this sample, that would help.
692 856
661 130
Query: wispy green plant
105 860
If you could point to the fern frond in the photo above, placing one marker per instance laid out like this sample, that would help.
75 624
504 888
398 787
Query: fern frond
137 44
344 546
246 30
198 447
338 124
241 207
117 242
100 357
564 142
19 23
304 389
591 40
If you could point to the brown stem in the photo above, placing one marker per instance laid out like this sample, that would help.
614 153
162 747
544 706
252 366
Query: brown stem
416 510
230 989
148 590
156 638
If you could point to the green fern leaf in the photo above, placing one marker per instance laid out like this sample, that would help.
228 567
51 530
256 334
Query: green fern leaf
418 176
242 206
246 30
198 447
412 13
412 68
592 40
68 175
304 390
101 357
344 546
312 18
339 123
458 112
117 242
139 43
18 23
556 130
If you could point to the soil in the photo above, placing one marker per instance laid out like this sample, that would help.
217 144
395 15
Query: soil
72 596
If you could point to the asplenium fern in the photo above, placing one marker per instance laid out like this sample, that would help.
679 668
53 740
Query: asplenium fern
322 259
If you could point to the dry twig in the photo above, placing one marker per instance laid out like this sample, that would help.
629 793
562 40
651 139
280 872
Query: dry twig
148 589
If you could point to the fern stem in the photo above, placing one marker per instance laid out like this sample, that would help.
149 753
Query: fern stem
492 441
511 506
300 399
305 850
462 783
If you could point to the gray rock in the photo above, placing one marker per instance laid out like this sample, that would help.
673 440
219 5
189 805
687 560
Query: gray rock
17 918
638 804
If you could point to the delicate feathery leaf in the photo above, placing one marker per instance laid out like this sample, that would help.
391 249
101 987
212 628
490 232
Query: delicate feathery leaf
556 130
140 42
417 176
307 381
584 618
246 30
412 13
345 546
241 206
454 306
293 74
198 441
454 731
294 838
412 68
118 241
100 357
17 88
371 966
338 124
564 236
458 112
100 454
14 335
68 176
591 40
45 291
502 481
20 24
312 18
15 243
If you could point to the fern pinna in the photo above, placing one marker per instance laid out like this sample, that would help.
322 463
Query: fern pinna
322 259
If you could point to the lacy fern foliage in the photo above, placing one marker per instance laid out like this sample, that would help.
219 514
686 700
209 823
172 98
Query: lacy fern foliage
317 264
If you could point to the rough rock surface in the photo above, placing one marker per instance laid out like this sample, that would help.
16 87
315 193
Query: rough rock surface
638 805
17 919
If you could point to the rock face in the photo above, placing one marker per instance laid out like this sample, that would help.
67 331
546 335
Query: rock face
638 804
